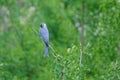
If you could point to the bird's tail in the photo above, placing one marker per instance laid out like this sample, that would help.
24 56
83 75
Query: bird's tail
46 51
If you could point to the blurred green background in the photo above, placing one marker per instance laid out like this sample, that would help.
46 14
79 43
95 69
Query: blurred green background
84 35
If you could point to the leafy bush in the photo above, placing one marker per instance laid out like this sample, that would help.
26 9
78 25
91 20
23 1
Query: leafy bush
21 49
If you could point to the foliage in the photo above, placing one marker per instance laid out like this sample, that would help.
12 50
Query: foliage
21 49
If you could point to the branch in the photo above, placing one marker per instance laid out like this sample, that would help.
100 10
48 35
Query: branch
82 30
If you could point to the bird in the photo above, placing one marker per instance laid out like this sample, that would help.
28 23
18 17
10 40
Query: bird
44 34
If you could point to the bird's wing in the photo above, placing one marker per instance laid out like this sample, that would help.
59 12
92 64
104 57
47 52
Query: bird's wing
44 35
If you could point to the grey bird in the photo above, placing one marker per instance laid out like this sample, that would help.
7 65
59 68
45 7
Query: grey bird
44 33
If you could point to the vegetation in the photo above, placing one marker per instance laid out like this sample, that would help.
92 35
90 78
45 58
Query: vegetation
84 40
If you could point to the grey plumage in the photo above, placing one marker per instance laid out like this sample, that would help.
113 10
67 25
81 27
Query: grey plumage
44 33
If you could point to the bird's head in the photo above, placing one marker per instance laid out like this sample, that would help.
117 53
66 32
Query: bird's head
42 25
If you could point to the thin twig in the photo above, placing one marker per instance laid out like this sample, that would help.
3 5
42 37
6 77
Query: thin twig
35 31
81 51
62 73
81 56
53 51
